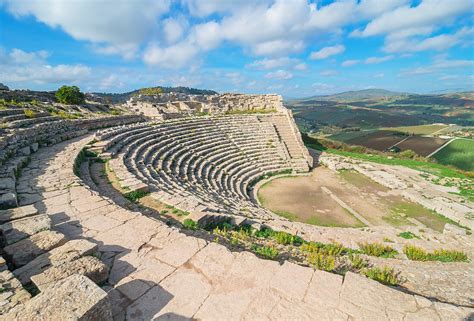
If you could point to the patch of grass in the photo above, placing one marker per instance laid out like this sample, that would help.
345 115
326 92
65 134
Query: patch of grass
264 233
321 261
333 249
386 239
458 153
383 275
402 209
408 235
287 238
377 249
289 216
179 212
418 254
134 196
190 224
268 252
357 262
29 113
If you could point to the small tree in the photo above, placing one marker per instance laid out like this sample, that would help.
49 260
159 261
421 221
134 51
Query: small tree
70 95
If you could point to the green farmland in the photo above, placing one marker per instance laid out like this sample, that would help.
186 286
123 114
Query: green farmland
459 153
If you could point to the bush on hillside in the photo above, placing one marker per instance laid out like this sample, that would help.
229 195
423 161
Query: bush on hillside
70 95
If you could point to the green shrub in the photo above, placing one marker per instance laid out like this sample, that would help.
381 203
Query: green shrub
134 196
385 275
415 253
190 224
70 95
377 249
408 235
287 238
334 249
357 262
264 233
268 252
449 256
418 254
29 113
321 261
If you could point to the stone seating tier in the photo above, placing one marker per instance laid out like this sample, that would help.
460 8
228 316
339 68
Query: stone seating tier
213 159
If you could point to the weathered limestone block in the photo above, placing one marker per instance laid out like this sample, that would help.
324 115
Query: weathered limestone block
17 213
70 251
73 298
7 183
8 200
88 266
17 230
25 151
34 147
24 251
12 292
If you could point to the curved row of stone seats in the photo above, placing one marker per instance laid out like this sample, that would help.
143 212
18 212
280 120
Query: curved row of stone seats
17 145
18 121
212 160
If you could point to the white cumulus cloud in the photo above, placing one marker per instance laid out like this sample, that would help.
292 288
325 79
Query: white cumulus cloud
327 52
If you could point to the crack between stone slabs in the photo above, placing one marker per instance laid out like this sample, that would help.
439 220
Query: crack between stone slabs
307 287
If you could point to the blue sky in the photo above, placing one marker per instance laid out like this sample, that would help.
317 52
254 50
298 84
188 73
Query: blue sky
292 47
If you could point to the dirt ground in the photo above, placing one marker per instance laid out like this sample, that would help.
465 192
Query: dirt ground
303 199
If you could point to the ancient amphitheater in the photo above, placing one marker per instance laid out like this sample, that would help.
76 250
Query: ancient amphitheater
76 244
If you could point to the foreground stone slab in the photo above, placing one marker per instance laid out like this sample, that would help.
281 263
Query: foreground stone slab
365 299
73 298
70 251
88 266
12 292
19 229
24 251
17 213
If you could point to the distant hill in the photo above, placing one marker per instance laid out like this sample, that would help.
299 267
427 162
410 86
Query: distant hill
123 97
357 95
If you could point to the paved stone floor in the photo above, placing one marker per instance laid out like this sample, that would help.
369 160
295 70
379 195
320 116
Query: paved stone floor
157 272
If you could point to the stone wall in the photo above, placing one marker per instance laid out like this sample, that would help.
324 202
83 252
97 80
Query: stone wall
171 103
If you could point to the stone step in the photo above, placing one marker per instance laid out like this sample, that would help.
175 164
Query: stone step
24 251
89 266
18 230
12 292
17 213
70 251
73 298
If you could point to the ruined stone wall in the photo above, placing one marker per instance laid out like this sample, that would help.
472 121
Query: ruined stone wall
155 105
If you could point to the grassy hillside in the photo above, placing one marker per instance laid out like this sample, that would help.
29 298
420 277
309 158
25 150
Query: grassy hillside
459 153
331 114
357 95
